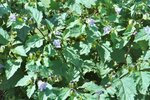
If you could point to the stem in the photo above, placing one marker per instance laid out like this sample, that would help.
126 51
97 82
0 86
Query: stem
64 59
129 46
124 75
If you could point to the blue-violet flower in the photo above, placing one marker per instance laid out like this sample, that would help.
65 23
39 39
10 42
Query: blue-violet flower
107 29
57 33
90 21
57 43
12 17
118 10
42 85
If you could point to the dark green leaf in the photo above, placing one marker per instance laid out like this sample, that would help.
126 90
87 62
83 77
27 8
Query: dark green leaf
4 37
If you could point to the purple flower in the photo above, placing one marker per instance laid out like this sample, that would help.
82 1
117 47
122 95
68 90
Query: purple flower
57 43
107 29
147 30
90 21
1 66
12 17
57 33
41 85
118 10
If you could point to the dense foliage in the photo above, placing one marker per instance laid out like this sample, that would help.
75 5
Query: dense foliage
74 49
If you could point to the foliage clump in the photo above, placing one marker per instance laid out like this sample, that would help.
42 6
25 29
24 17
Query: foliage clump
74 49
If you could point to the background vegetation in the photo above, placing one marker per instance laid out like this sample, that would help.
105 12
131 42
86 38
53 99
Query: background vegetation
74 49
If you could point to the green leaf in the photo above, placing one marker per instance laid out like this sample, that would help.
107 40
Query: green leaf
88 3
147 55
46 3
104 52
24 81
5 84
76 8
94 89
91 86
11 67
73 24
93 34
22 33
30 91
75 31
37 15
72 56
3 9
143 82
126 88
87 96
50 25
49 50
64 93
85 48
143 44
118 55
4 37
33 42
47 62
142 35
19 50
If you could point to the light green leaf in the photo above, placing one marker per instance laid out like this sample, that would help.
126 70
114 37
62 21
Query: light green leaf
126 88
88 96
50 25
88 3
142 35
91 86
4 37
143 82
104 52
37 15
30 91
64 93
19 50
33 42
76 8
24 81
11 67
73 24
147 55
85 48
46 3
75 31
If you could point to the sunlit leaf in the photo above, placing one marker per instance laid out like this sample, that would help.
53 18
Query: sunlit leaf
11 67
